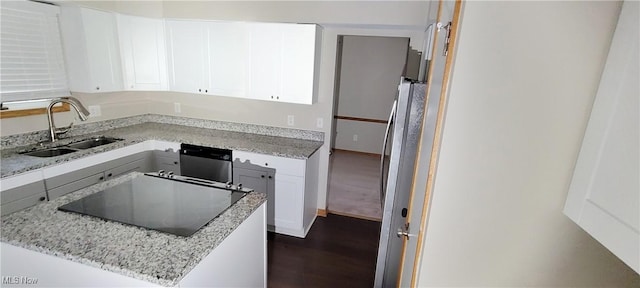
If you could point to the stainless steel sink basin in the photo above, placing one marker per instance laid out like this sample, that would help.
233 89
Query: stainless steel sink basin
52 152
73 147
86 144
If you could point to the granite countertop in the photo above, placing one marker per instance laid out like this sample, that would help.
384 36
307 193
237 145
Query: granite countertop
128 250
14 163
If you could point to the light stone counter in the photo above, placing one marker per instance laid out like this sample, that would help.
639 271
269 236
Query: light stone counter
128 250
290 143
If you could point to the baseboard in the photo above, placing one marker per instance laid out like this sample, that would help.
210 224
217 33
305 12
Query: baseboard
322 212
357 152
354 216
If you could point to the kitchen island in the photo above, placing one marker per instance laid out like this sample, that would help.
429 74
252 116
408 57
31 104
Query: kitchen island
66 249
151 143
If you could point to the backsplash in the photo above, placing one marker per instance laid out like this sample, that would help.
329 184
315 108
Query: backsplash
11 141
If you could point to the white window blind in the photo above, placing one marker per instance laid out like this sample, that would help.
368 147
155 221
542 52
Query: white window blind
31 57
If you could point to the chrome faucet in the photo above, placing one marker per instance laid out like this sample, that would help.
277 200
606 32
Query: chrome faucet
80 109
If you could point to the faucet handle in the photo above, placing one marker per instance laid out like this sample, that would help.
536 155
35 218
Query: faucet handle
63 130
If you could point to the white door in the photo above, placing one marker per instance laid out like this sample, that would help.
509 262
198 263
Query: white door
604 196
142 43
298 51
103 51
435 91
186 49
266 49
228 58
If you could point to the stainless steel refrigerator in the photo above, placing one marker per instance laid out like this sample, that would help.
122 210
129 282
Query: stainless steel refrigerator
403 135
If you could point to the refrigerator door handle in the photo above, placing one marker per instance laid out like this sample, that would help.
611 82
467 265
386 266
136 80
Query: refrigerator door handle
384 150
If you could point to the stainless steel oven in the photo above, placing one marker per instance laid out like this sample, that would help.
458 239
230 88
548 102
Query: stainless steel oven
206 163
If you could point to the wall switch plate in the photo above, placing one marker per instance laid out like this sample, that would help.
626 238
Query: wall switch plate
290 120
355 137
177 108
319 123
94 111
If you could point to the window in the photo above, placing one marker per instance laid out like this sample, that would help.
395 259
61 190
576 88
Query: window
32 61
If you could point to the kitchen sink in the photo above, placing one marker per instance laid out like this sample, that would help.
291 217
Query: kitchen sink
86 144
73 147
52 152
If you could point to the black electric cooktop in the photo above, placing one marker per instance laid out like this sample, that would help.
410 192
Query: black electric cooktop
172 204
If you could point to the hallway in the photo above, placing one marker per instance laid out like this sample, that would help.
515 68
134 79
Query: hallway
354 185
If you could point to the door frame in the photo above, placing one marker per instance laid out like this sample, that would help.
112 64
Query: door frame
435 150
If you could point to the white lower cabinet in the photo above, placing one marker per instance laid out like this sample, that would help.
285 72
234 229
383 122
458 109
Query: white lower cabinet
72 181
239 261
292 202
21 192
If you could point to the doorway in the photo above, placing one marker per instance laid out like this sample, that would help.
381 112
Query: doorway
368 71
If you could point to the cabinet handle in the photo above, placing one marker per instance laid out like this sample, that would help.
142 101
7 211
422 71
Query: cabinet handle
261 176
110 174
42 198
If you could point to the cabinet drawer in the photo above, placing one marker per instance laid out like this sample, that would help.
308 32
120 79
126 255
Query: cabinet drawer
35 188
287 166
75 185
137 165
67 178
10 207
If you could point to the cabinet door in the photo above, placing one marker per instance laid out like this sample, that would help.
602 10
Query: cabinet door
266 48
168 161
22 197
288 201
137 165
186 51
228 72
604 196
92 55
142 44
298 63
259 181
74 185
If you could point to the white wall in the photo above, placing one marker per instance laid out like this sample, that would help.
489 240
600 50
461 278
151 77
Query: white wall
524 79
374 18
369 74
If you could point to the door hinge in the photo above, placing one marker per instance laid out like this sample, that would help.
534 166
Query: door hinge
448 39
404 231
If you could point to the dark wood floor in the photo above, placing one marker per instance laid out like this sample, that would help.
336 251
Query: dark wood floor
339 251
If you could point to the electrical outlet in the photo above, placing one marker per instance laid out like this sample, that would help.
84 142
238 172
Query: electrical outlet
290 120
94 111
355 137
177 108
319 123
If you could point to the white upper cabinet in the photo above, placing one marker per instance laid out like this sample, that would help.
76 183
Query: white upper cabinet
92 53
228 58
285 62
208 57
142 46
186 55
604 196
